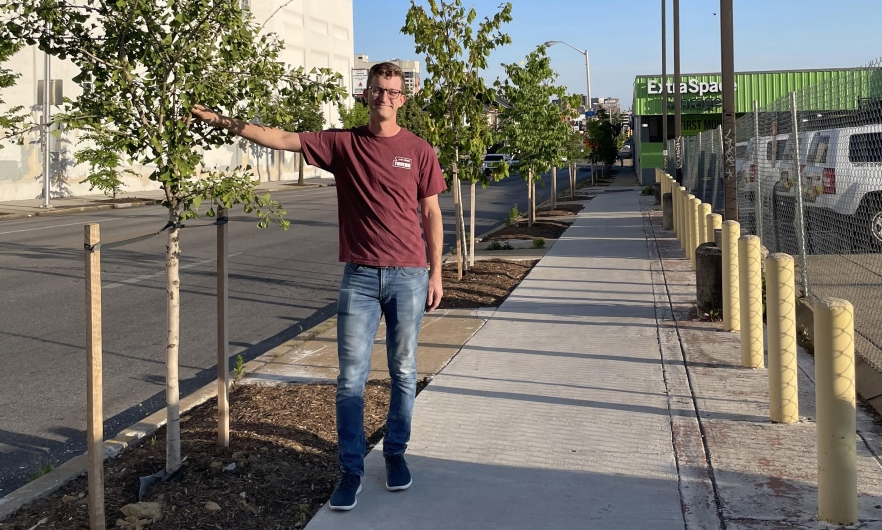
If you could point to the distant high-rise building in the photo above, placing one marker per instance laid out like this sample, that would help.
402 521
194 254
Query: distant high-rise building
611 105
411 70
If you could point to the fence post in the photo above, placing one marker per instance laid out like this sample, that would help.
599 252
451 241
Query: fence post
757 182
731 293
704 209
693 227
714 222
94 382
800 206
223 339
750 276
834 388
781 327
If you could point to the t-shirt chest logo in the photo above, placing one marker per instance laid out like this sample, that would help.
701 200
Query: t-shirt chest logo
402 162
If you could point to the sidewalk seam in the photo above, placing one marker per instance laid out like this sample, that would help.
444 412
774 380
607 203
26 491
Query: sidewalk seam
655 258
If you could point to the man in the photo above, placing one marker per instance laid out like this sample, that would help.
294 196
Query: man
382 173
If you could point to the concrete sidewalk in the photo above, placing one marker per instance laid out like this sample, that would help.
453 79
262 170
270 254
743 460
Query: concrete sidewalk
591 399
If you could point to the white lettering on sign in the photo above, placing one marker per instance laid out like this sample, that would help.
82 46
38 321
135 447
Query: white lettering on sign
690 86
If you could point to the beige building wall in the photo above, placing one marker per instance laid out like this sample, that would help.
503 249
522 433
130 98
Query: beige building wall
316 33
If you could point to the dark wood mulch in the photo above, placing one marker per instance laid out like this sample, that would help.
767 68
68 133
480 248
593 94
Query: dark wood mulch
487 284
280 468
559 210
544 228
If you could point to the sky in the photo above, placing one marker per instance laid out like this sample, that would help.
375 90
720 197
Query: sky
623 37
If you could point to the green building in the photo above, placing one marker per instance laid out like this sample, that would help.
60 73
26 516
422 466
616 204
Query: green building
702 104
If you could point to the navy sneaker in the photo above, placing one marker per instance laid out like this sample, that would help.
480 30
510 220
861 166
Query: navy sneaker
397 474
344 494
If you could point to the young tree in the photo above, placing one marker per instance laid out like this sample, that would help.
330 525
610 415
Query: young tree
455 93
13 120
147 62
533 127
357 116
412 117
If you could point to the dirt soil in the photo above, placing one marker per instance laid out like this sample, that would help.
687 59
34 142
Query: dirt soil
280 468
487 284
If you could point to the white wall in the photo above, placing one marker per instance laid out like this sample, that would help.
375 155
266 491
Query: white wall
316 33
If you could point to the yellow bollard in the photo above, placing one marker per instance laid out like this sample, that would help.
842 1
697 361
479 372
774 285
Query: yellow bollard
714 222
677 210
781 330
682 232
731 294
835 392
678 193
750 275
693 228
687 225
704 209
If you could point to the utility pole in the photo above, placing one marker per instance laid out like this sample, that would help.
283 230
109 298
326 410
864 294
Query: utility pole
664 87
47 115
678 99
728 67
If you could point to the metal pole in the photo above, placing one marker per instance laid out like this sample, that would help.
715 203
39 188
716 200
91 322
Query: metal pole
800 207
664 87
758 196
587 79
678 148
47 116
728 65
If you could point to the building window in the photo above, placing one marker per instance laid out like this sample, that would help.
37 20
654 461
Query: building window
245 5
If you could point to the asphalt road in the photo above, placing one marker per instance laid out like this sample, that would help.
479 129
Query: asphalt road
280 284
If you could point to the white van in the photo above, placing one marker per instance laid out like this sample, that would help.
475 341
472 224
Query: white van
842 181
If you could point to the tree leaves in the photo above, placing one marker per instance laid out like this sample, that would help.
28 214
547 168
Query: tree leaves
455 95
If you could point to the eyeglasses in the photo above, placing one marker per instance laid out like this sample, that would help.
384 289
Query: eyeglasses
376 91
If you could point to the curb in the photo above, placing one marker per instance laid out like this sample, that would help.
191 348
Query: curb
134 202
80 209
130 436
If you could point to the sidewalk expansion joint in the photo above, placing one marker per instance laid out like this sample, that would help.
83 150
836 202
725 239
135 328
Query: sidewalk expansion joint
668 320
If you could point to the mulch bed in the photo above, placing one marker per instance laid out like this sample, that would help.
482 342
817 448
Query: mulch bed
546 229
559 210
280 468
123 200
487 284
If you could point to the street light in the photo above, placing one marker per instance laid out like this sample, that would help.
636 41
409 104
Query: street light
587 69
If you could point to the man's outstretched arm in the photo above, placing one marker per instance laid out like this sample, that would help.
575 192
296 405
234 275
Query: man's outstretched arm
433 227
259 134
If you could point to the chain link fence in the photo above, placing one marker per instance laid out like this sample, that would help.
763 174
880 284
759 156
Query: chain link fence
809 169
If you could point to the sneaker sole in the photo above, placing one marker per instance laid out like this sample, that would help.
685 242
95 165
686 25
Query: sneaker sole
347 508
399 488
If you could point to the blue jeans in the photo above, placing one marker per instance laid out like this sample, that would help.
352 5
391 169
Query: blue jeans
366 293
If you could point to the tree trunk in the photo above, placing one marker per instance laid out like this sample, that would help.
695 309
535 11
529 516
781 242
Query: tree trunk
572 180
553 188
472 229
300 169
172 386
529 201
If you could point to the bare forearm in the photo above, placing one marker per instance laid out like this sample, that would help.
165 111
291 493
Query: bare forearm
433 227
259 134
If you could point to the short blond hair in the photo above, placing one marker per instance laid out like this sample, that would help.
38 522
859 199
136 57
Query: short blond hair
385 70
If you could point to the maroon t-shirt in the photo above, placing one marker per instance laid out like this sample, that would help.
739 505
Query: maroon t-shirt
380 181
